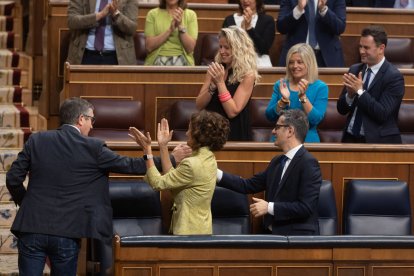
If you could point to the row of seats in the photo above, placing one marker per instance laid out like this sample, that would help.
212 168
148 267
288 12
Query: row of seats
399 51
371 207
131 113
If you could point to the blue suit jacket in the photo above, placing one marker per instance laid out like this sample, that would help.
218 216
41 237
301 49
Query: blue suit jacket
295 198
380 104
327 28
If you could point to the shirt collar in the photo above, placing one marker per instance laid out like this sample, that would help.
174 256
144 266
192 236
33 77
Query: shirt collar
375 68
292 152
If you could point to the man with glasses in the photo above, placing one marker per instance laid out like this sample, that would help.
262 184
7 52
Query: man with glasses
67 197
291 181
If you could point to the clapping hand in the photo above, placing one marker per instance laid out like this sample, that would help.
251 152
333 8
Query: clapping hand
284 90
216 71
247 18
352 83
113 6
302 86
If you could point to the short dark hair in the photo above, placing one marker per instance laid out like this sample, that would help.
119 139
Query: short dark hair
377 32
297 119
259 7
181 3
208 129
72 108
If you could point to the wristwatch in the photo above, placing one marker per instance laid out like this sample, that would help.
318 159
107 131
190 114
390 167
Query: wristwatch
303 99
148 156
182 30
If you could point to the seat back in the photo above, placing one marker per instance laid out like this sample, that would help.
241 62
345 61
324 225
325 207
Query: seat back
327 209
376 207
261 126
400 52
331 128
136 208
115 116
179 118
230 211
140 51
406 122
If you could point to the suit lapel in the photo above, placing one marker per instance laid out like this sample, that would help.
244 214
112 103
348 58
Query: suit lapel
289 169
379 75
273 186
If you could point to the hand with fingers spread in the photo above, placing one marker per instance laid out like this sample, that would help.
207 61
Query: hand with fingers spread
143 140
259 207
164 135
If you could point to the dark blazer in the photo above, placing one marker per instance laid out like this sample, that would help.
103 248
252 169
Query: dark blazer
295 198
327 28
380 104
262 35
68 192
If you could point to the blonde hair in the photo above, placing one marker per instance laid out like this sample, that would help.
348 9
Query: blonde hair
243 52
308 57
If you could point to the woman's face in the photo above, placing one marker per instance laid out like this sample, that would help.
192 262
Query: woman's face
225 51
171 3
248 4
297 67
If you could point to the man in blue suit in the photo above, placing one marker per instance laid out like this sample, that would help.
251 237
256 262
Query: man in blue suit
67 197
372 94
316 22
291 181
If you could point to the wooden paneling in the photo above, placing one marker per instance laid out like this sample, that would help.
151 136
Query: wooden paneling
280 261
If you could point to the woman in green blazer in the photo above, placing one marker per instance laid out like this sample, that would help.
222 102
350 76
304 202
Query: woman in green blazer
192 183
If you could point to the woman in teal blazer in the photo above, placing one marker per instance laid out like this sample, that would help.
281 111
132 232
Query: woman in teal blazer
193 182
300 89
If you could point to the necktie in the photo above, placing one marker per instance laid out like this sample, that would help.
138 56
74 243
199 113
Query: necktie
282 161
356 128
100 30
311 24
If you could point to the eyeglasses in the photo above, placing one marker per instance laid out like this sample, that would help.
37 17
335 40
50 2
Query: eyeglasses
277 126
93 119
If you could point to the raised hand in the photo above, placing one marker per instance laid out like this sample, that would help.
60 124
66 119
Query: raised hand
142 140
164 135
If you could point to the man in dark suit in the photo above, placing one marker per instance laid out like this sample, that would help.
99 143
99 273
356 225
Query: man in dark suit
372 94
291 181
316 22
67 197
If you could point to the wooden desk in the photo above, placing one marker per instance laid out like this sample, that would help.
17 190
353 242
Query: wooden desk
159 87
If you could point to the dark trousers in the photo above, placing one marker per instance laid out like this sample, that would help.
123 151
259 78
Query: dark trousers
319 58
34 248
99 58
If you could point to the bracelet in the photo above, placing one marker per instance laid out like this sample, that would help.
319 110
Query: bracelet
224 97
285 101
211 89
281 104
